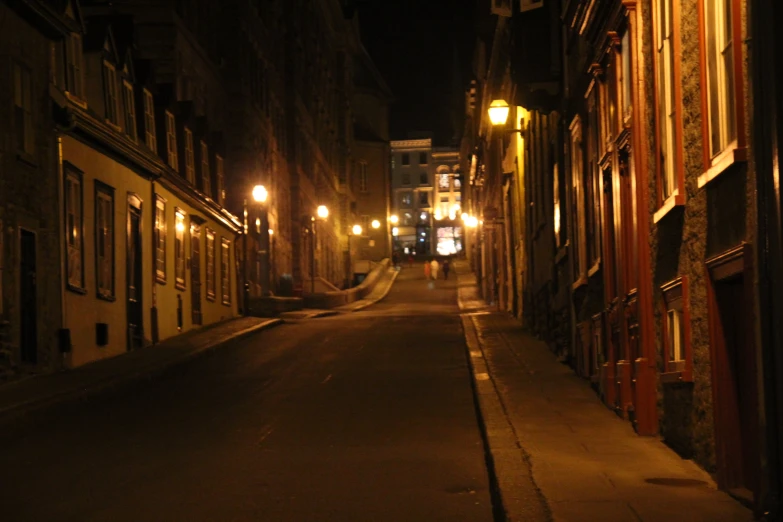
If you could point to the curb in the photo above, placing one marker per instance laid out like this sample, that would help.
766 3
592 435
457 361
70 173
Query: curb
514 493
118 381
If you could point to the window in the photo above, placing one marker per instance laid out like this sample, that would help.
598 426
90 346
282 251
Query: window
626 78
75 61
406 159
110 94
457 182
592 182
149 122
406 199
190 157
365 221
225 270
206 186
577 170
179 249
73 228
666 48
362 176
160 239
719 49
210 264
130 110
556 216
23 109
171 141
406 178
677 358
424 199
422 158
219 174
424 179
407 219
104 240
444 181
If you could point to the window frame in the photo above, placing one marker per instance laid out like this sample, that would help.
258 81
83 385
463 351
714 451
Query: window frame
150 133
209 269
73 175
362 176
406 178
734 151
405 159
206 181
666 202
220 179
225 271
425 161
105 192
190 157
131 129
160 237
74 68
577 185
180 250
111 94
25 95
172 157
424 199
675 297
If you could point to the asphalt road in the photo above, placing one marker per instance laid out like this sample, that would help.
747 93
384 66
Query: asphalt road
367 417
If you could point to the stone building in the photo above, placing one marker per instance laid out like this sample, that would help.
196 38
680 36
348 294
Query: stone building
447 233
644 235
370 183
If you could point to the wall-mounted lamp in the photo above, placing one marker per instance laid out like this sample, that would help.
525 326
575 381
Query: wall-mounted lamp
498 115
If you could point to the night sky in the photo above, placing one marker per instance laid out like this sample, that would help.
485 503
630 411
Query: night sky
414 44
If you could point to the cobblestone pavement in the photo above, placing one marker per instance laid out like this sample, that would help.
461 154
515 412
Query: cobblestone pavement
587 463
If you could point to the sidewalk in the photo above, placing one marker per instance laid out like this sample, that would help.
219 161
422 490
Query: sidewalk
558 451
39 391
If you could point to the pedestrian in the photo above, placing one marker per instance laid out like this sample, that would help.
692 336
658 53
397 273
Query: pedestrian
395 259
427 271
446 268
410 260
434 268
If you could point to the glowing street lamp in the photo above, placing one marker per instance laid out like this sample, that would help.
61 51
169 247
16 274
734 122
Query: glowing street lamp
394 219
498 112
357 230
376 224
322 212
260 196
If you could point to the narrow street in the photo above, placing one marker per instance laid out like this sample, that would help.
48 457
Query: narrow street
365 416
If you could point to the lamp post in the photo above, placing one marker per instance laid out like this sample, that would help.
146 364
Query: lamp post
323 213
356 230
260 195
394 220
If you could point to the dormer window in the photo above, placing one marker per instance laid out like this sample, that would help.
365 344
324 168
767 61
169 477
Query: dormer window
75 61
205 181
130 110
171 141
190 157
110 93
149 122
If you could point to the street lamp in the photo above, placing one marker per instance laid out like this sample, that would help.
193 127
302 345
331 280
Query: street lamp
376 224
323 213
498 112
260 196
394 219
356 231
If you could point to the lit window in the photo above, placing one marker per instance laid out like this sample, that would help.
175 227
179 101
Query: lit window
149 122
73 228
665 96
210 264
104 239
160 238
225 270
171 141
406 199
676 350
190 157
719 47
23 109
130 111
110 93
444 181
179 249
676 335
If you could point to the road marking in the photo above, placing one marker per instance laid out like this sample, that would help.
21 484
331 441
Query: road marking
327 379
482 376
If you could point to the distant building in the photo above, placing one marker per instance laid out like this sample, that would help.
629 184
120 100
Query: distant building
413 193
447 201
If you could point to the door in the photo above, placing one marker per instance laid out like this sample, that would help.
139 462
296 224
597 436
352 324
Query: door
134 277
195 272
28 297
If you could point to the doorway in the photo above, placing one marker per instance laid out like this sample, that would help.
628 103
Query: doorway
28 298
134 277
195 272
735 394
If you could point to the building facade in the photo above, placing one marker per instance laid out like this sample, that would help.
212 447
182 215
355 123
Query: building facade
447 233
413 192
641 157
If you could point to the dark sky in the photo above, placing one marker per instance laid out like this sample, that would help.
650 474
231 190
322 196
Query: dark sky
413 44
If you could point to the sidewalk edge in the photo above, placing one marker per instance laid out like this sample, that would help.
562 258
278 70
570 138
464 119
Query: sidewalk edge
515 495
120 380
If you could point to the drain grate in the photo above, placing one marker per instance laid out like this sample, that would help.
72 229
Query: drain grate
676 482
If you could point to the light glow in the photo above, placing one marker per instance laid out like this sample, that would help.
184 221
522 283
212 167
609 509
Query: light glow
260 193
498 112
322 212
394 219
357 230
376 224
395 231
